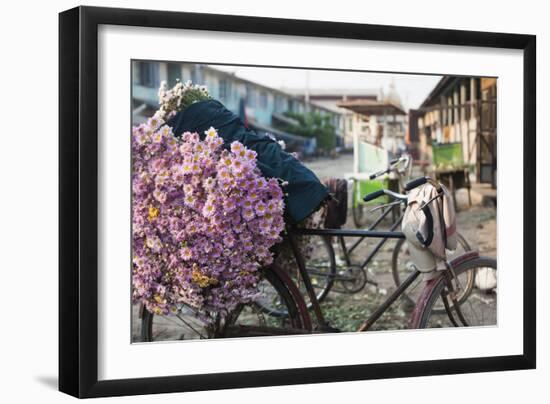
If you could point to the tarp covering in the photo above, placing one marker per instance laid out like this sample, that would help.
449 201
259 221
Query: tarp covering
304 190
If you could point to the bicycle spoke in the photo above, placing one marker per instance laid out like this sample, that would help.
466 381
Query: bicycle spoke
190 326
472 309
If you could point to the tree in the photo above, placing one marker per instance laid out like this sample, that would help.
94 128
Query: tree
313 125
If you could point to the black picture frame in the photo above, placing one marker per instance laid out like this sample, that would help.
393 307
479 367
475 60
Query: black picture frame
78 200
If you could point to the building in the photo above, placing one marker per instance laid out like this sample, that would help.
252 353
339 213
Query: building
460 110
350 123
380 120
262 107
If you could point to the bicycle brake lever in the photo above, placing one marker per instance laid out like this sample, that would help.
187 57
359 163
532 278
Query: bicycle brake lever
384 206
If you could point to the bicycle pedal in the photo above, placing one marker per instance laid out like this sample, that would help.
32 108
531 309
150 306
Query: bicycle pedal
373 283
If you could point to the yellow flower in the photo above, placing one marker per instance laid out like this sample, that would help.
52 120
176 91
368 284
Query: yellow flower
157 137
153 212
200 279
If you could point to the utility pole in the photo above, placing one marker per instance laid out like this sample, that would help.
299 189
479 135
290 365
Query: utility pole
306 95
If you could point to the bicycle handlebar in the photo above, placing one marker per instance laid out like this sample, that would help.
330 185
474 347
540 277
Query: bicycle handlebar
379 173
392 165
415 183
381 192
421 181
408 186
373 195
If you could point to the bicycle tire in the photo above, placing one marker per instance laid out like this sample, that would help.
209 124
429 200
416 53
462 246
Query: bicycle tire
323 291
429 316
397 278
294 324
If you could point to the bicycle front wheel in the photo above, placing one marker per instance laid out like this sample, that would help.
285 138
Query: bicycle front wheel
478 309
247 320
402 266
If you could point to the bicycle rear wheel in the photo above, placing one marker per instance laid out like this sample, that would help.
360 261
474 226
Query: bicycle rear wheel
478 309
247 320
320 263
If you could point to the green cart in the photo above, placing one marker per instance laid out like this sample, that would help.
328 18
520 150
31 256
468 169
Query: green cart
367 160
450 169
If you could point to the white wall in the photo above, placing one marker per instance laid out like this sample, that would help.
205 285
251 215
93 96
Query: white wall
28 163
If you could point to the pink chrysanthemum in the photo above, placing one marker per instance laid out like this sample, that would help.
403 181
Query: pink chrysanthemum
204 220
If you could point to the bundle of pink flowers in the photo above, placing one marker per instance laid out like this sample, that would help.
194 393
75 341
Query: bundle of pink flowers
204 220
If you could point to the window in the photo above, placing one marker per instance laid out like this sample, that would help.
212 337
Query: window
149 74
263 99
174 72
428 133
279 103
196 75
225 89
250 97
292 106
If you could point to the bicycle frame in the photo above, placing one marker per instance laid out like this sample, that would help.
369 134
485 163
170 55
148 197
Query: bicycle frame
375 250
385 235
387 210
366 325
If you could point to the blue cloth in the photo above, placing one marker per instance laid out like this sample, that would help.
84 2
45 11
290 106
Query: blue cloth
304 190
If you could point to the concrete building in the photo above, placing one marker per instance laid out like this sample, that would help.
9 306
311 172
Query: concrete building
262 107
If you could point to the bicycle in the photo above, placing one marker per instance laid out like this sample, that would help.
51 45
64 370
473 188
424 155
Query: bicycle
322 265
401 263
399 170
460 268
247 320
326 272
442 290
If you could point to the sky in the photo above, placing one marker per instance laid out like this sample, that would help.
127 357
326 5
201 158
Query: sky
412 88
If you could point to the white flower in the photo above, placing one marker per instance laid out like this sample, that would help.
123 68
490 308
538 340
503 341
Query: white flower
171 100
211 132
